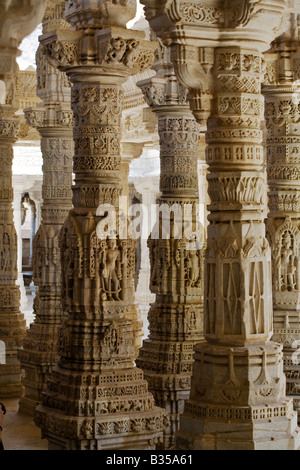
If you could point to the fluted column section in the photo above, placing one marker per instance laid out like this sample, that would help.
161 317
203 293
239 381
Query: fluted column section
12 322
238 398
54 121
96 398
175 318
281 92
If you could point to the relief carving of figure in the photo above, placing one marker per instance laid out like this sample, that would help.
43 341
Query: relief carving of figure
160 262
5 258
193 268
287 264
157 265
111 271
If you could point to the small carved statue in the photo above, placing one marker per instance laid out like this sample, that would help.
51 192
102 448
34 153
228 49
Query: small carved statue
5 255
287 264
111 271
193 268
156 268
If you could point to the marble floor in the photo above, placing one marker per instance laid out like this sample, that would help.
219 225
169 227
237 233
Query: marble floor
19 431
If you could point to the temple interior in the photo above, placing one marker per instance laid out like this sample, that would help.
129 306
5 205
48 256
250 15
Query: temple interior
150 225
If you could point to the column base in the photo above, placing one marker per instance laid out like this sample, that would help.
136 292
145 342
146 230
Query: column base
99 411
10 381
27 406
238 401
12 390
33 386
167 359
291 368
130 439
206 427
173 402
37 357
296 400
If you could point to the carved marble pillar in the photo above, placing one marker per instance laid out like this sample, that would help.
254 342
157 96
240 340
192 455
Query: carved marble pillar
175 318
238 398
95 397
39 352
281 92
54 122
12 323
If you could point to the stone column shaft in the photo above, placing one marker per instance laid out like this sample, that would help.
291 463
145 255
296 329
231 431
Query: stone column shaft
12 323
39 353
15 23
53 119
175 318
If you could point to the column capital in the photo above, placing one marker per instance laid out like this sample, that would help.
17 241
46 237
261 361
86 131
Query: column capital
282 61
108 52
44 118
163 91
194 30
209 23
9 124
